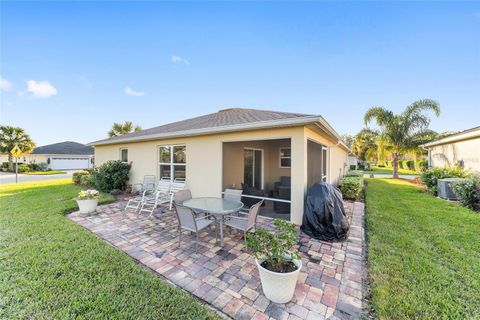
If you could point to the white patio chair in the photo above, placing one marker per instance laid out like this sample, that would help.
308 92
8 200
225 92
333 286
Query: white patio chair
244 223
151 203
147 184
164 186
136 202
176 186
188 221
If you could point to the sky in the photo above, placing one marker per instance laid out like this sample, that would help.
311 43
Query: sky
70 69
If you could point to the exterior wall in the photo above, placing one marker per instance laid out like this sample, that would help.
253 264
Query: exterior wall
449 154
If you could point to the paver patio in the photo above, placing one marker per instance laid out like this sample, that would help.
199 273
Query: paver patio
330 285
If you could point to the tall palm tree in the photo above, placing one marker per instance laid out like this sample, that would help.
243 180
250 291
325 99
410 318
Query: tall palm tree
11 137
119 129
405 131
364 144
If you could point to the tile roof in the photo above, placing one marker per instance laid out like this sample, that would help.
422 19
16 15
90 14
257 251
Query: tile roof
66 147
221 119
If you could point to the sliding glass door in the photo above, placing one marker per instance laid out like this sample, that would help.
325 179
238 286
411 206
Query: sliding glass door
253 168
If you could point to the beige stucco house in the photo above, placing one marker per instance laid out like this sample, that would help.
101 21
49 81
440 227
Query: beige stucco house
460 148
235 146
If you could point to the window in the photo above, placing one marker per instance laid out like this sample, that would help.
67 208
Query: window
285 157
124 155
172 162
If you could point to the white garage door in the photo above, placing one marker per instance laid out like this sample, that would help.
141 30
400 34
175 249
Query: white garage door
64 163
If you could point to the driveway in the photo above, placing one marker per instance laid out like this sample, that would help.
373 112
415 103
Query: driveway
8 177
389 175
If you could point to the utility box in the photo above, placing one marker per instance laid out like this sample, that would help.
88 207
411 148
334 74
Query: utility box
445 190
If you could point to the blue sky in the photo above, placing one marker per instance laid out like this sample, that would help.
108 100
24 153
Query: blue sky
71 69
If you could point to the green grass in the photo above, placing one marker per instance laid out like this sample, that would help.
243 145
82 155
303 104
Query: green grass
51 268
423 256
45 173
388 170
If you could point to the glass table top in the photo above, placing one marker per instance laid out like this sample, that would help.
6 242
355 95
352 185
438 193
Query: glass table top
214 205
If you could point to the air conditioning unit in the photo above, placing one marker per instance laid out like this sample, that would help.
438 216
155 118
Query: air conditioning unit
445 190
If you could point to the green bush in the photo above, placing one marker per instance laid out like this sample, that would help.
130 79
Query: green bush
5 165
468 192
411 165
86 180
22 168
353 167
43 166
430 177
111 175
421 165
351 187
77 176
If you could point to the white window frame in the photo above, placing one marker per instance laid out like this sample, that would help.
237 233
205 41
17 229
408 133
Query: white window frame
280 158
121 150
171 163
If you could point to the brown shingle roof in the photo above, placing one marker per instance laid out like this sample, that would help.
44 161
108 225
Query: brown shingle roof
220 119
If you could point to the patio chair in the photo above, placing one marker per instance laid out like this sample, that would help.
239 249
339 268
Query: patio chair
235 195
180 196
188 221
136 202
149 204
176 186
147 184
244 223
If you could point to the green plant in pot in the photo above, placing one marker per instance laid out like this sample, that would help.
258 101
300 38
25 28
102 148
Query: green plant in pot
277 261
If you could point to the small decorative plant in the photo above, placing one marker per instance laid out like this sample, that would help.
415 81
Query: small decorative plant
275 251
90 194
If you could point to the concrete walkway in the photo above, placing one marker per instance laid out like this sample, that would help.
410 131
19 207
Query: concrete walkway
330 285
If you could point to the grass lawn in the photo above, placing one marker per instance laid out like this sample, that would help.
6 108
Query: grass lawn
388 170
423 256
45 173
51 268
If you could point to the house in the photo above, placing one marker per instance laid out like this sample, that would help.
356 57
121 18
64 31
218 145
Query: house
235 147
59 156
352 162
461 148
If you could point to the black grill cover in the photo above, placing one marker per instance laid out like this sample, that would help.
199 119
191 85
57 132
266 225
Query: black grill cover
324 216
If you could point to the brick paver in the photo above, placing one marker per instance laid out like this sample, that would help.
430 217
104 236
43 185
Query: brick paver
330 285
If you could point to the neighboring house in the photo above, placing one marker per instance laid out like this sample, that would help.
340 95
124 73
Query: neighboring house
59 156
461 148
232 147
352 162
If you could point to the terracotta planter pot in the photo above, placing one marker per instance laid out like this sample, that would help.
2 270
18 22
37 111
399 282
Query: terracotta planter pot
279 287
87 206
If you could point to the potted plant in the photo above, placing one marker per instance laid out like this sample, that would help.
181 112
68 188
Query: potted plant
87 200
277 261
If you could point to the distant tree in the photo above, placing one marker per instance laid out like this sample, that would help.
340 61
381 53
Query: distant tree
404 132
363 145
14 136
119 129
348 139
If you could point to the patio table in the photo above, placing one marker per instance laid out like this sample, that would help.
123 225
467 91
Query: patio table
216 206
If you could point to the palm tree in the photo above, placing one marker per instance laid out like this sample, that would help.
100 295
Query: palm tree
405 131
119 129
364 144
11 137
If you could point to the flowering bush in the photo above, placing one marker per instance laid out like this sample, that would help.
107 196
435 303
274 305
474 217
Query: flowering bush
468 192
88 195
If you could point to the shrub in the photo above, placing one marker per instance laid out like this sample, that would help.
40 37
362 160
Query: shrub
351 187
22 168
5 165
77 176
430 177
353 167
410 165
43 166
422 165
468 192
86 180
111 175
381 166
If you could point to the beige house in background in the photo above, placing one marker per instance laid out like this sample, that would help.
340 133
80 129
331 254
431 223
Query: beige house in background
460 148
256 148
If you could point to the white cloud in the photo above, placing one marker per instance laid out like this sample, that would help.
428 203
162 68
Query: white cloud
5 85
178 59
41 89
130 92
